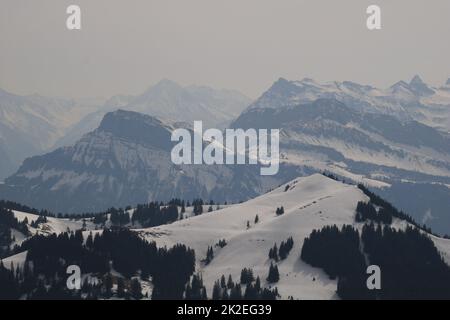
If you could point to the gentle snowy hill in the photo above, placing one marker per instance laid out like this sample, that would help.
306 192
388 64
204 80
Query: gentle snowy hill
309 203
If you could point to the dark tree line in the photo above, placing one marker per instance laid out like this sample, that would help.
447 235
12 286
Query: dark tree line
7 222
172 272
198 206
390 209
228 290
337 252
411 266
119 217
153 214
284 250
9 287
195 290
367 212
118 248
10 205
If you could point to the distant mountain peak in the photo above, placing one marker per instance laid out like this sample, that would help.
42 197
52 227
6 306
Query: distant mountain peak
165 85
419 87
416 80
282 81
124 117
400 84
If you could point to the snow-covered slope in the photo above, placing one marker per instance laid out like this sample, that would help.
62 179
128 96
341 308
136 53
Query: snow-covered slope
363 134
310 203
407 101
53 225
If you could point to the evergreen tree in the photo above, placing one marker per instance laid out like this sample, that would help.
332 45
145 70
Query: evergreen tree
247 276
223 282
280 211
107 285
120 288
258 284
230 283
274 275
196 290
236 292
273 253
136 289
209 255
217 291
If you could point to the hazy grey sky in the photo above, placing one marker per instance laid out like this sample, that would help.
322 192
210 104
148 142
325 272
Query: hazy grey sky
127 45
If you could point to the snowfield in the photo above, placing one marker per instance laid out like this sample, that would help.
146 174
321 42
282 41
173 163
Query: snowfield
53 225
309 203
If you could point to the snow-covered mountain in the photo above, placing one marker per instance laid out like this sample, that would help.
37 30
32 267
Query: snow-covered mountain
30 125
407 101
310 203
170 102
363 134
125 161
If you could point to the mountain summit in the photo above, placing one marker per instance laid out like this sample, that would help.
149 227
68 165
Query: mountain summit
125 161
419 87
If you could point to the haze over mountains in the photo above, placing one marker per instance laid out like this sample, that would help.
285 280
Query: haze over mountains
395 141
125 161
170 102
31 125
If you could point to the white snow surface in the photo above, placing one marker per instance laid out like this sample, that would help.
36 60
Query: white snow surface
309 203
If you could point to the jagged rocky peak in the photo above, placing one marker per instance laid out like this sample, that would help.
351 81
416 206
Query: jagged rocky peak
400 84
418 86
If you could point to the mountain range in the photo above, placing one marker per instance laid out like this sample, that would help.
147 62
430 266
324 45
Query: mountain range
125 161
32 125
169 102
384 139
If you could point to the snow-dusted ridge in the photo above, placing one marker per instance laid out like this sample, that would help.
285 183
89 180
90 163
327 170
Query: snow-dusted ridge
310 203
